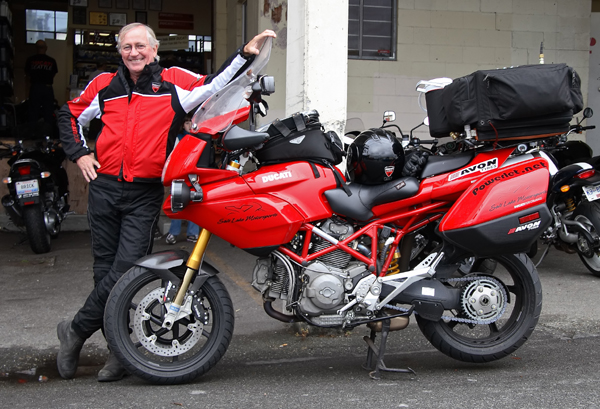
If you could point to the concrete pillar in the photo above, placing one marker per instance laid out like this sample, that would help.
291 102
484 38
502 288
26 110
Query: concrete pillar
317 60
219 38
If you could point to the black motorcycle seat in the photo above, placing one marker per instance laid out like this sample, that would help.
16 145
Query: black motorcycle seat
436 165
238 138
360 203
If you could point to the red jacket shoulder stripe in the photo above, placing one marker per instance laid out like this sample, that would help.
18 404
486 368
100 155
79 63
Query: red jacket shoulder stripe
182 78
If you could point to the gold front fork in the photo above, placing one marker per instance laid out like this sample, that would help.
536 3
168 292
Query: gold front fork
193 265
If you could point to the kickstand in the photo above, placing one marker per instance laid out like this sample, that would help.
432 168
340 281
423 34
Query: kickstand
543 255
373 351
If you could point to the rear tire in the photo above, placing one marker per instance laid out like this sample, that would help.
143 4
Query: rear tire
489 342
133 327
481 265
589 214
39 238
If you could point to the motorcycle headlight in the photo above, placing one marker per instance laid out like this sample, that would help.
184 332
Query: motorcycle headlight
181 195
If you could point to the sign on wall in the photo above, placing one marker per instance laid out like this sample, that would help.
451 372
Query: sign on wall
176 20
178 42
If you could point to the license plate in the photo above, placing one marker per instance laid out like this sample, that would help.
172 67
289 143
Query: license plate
28 188
592 192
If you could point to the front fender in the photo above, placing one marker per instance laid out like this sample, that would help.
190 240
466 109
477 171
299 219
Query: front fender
170 266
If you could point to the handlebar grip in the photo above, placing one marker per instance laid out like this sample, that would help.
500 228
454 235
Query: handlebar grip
583 128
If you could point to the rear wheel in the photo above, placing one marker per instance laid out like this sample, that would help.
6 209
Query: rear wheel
133 320
481 265
38 235
520 305
589 215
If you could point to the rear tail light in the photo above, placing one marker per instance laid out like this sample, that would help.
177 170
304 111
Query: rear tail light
586 174
24 170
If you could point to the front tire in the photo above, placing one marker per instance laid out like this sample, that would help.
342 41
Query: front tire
132 322
488 342
589 214
39 238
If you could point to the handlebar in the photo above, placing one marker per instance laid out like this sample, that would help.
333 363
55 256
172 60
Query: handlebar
579 128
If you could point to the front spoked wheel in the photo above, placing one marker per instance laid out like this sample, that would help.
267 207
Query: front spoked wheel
498 313
133 327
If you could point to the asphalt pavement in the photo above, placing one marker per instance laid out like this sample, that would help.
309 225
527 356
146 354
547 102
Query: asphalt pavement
277 365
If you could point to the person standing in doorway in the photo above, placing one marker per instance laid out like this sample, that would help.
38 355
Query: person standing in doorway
40 70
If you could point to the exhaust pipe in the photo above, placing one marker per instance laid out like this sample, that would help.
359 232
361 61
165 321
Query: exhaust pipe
13 211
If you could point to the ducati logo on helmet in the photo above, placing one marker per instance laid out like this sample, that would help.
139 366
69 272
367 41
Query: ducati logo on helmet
389 171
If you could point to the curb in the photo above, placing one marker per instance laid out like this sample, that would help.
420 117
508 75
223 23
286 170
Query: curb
76 222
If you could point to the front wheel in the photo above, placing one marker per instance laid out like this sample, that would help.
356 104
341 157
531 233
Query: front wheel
133 319
38 235
520 306
589 215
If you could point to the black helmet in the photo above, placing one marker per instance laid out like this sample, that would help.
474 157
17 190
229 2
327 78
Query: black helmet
375 157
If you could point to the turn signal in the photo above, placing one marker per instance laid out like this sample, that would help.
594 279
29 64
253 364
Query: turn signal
6 181
586 174
565 188
45 175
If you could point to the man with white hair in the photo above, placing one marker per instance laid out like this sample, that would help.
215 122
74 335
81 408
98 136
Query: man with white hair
142 107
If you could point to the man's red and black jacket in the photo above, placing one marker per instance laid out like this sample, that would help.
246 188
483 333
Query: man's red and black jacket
139 121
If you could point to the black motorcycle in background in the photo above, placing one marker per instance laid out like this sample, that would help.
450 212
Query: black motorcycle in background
573 191
38 189
573 198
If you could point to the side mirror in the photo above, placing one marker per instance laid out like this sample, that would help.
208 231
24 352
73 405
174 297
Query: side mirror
588 112
389 116
426 121
267 85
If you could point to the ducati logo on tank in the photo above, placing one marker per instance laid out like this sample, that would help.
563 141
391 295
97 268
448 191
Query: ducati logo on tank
389 171
480 167
276 176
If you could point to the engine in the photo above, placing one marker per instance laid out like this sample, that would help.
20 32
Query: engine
324 285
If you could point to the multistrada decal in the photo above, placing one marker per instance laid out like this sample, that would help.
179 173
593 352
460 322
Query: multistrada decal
242 208
277 176
480 167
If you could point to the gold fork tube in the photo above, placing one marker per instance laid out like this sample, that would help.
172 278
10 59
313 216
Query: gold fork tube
193 265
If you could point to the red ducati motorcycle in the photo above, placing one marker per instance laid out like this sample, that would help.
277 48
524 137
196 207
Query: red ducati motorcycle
331 253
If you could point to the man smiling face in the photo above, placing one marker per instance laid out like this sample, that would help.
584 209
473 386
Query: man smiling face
136 51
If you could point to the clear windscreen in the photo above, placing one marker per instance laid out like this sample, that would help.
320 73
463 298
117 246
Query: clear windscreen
219 111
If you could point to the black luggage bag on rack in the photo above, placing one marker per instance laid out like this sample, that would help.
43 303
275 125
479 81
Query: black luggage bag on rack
530 101
300 137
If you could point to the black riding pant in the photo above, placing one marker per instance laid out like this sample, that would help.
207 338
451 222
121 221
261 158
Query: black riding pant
122 217
41 103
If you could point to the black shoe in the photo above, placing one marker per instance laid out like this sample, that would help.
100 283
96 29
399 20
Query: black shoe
70 347
112 371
